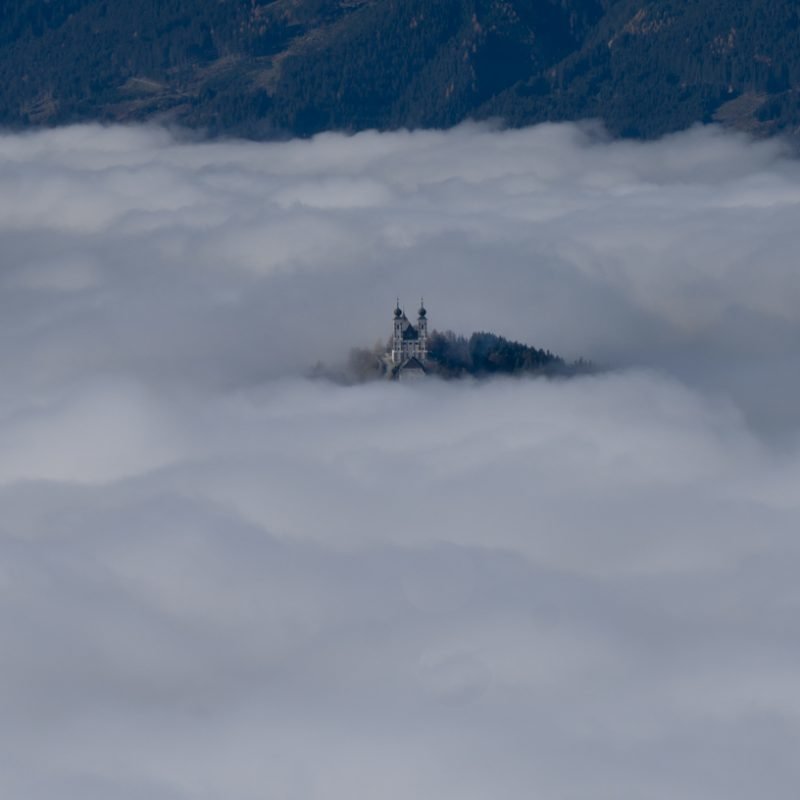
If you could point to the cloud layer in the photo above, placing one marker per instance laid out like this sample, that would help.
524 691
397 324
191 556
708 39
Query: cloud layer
222 579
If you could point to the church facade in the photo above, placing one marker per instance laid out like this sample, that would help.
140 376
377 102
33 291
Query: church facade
409 344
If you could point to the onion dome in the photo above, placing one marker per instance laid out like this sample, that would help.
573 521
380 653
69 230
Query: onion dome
398 312
422 310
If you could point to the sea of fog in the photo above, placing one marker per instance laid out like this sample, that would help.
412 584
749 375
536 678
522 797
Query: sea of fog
220 578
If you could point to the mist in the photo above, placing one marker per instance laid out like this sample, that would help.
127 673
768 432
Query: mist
222 578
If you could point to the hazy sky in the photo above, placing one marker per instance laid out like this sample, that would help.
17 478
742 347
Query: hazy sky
221 579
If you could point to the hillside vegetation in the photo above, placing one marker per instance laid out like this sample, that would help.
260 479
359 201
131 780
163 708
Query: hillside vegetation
481 355
267 68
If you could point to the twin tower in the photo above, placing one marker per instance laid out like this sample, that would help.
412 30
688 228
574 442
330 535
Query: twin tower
409 341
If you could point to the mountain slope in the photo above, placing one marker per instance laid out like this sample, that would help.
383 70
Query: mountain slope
651 68
282 67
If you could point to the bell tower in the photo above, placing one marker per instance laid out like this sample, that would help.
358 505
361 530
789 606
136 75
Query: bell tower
422 330
397 334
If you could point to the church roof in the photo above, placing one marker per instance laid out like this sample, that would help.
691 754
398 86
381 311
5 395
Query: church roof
410 333
411 367
412 363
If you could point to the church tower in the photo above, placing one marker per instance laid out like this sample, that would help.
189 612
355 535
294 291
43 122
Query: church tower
422 332
397 334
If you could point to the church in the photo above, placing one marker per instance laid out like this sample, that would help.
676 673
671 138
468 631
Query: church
409 345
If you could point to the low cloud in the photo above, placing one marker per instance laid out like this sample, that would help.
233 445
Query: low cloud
220 578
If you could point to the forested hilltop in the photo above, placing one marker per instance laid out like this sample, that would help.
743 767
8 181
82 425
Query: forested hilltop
267 68
481 355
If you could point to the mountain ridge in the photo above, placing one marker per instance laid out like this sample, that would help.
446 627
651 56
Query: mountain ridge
276 68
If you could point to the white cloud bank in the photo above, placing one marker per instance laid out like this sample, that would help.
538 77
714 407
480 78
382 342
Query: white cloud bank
220 579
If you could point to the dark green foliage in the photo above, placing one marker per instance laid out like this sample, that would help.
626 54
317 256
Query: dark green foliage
450 353
486 354
276 67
